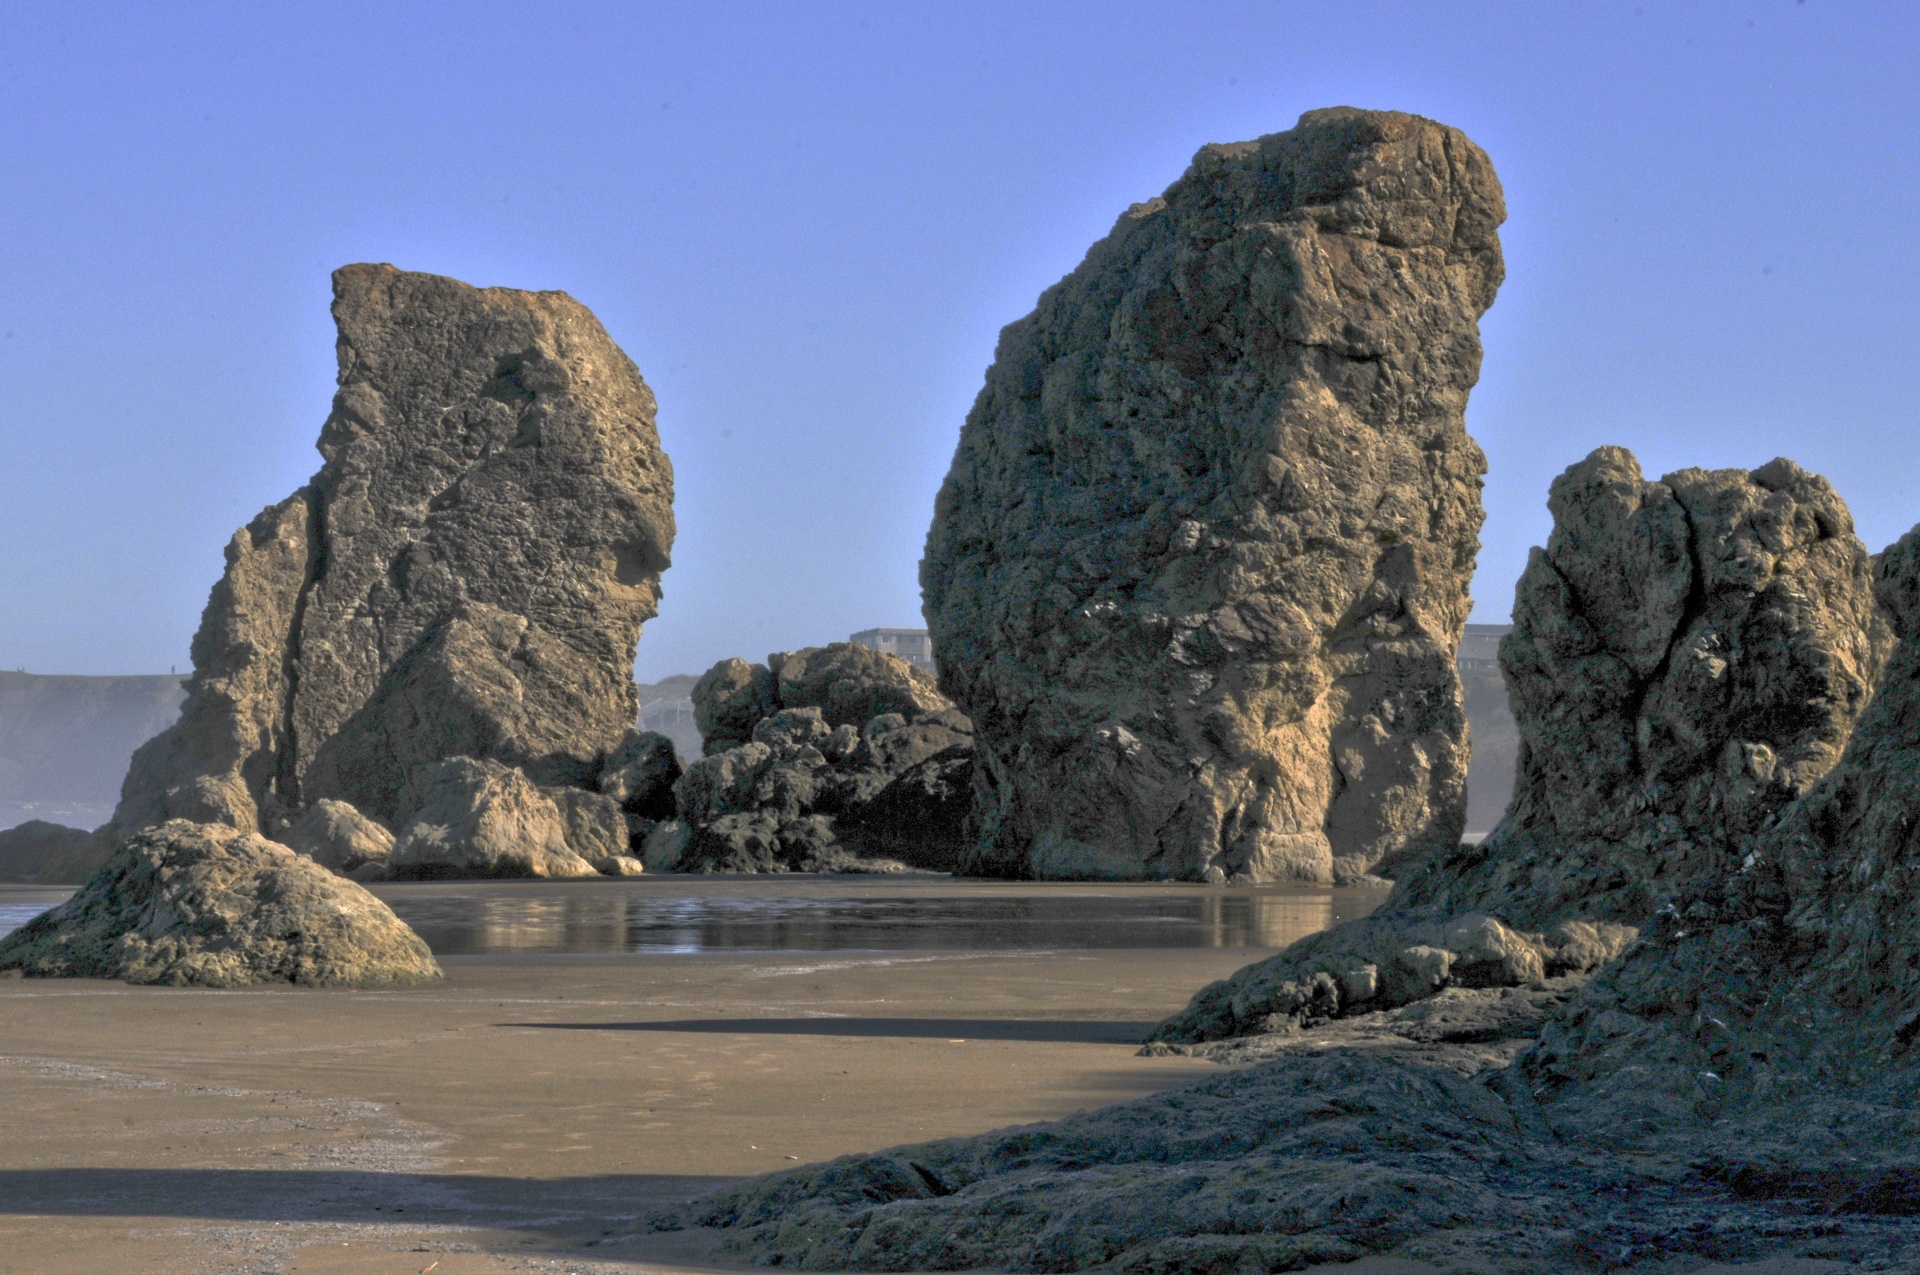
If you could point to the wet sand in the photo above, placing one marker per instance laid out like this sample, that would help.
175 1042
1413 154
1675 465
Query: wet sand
527 1112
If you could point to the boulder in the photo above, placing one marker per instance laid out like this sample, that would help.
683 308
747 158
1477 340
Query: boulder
493 514
793 788
1199 570
640 772
596 826
336 836
206 905
49 853
849 683
620 865
483 819
1688 657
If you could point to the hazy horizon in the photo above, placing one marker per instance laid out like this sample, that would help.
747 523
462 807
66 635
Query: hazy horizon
807 227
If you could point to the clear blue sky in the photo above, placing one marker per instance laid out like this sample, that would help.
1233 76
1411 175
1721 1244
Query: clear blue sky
807 223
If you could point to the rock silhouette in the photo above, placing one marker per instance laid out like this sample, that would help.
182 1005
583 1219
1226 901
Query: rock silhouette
1687 658
1199 570
202 905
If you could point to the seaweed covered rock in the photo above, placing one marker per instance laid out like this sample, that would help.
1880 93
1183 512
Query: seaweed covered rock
205 905
467 574
1687 658
1199 570
831 776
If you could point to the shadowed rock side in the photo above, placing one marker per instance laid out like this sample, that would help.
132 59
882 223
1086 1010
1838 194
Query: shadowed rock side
827 759
466 576
200 905
1740 1087
1199 570
1687 657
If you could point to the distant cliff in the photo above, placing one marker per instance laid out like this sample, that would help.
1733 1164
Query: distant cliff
65 741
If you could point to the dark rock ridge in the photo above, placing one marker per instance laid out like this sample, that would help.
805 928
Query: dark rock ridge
1738 1087
194 904
47 853
1687 658
827 759
1200 567
466 576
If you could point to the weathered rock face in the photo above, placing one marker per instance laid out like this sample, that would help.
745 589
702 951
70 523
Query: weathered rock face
836 774
211 906
1738 1087
467 574
850 684
483 819
1199 570
1768 1017
1687 658
336 836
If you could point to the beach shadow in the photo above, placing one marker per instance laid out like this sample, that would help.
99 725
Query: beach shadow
1058 1031
321 1195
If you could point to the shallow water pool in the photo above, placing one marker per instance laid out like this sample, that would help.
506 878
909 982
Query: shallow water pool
813 914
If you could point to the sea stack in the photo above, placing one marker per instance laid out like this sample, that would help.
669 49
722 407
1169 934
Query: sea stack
466 576
1199 570
1688 658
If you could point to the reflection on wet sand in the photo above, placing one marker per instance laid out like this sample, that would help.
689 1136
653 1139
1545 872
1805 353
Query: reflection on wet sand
676 916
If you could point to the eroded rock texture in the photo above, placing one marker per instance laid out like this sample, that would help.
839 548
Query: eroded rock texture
211 906
1737 1090
467 575
827 759
1200 567
1779 1000
1687 658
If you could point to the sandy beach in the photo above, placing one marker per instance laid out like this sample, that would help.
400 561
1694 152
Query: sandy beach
529 1112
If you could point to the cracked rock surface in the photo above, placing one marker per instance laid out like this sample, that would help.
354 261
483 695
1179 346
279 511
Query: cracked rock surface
1688 657
1199 570
466 576
1737 1087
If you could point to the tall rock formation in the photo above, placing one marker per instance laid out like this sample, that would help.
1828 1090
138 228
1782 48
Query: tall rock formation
1688 657
1199 570
467 575
1736 1091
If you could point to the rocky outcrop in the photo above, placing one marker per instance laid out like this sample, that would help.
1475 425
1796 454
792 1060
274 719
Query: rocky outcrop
1768 1017
850 684
204 905
855 763
483 819
1687 658
48 853
1737 1090
466 576
1200 567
